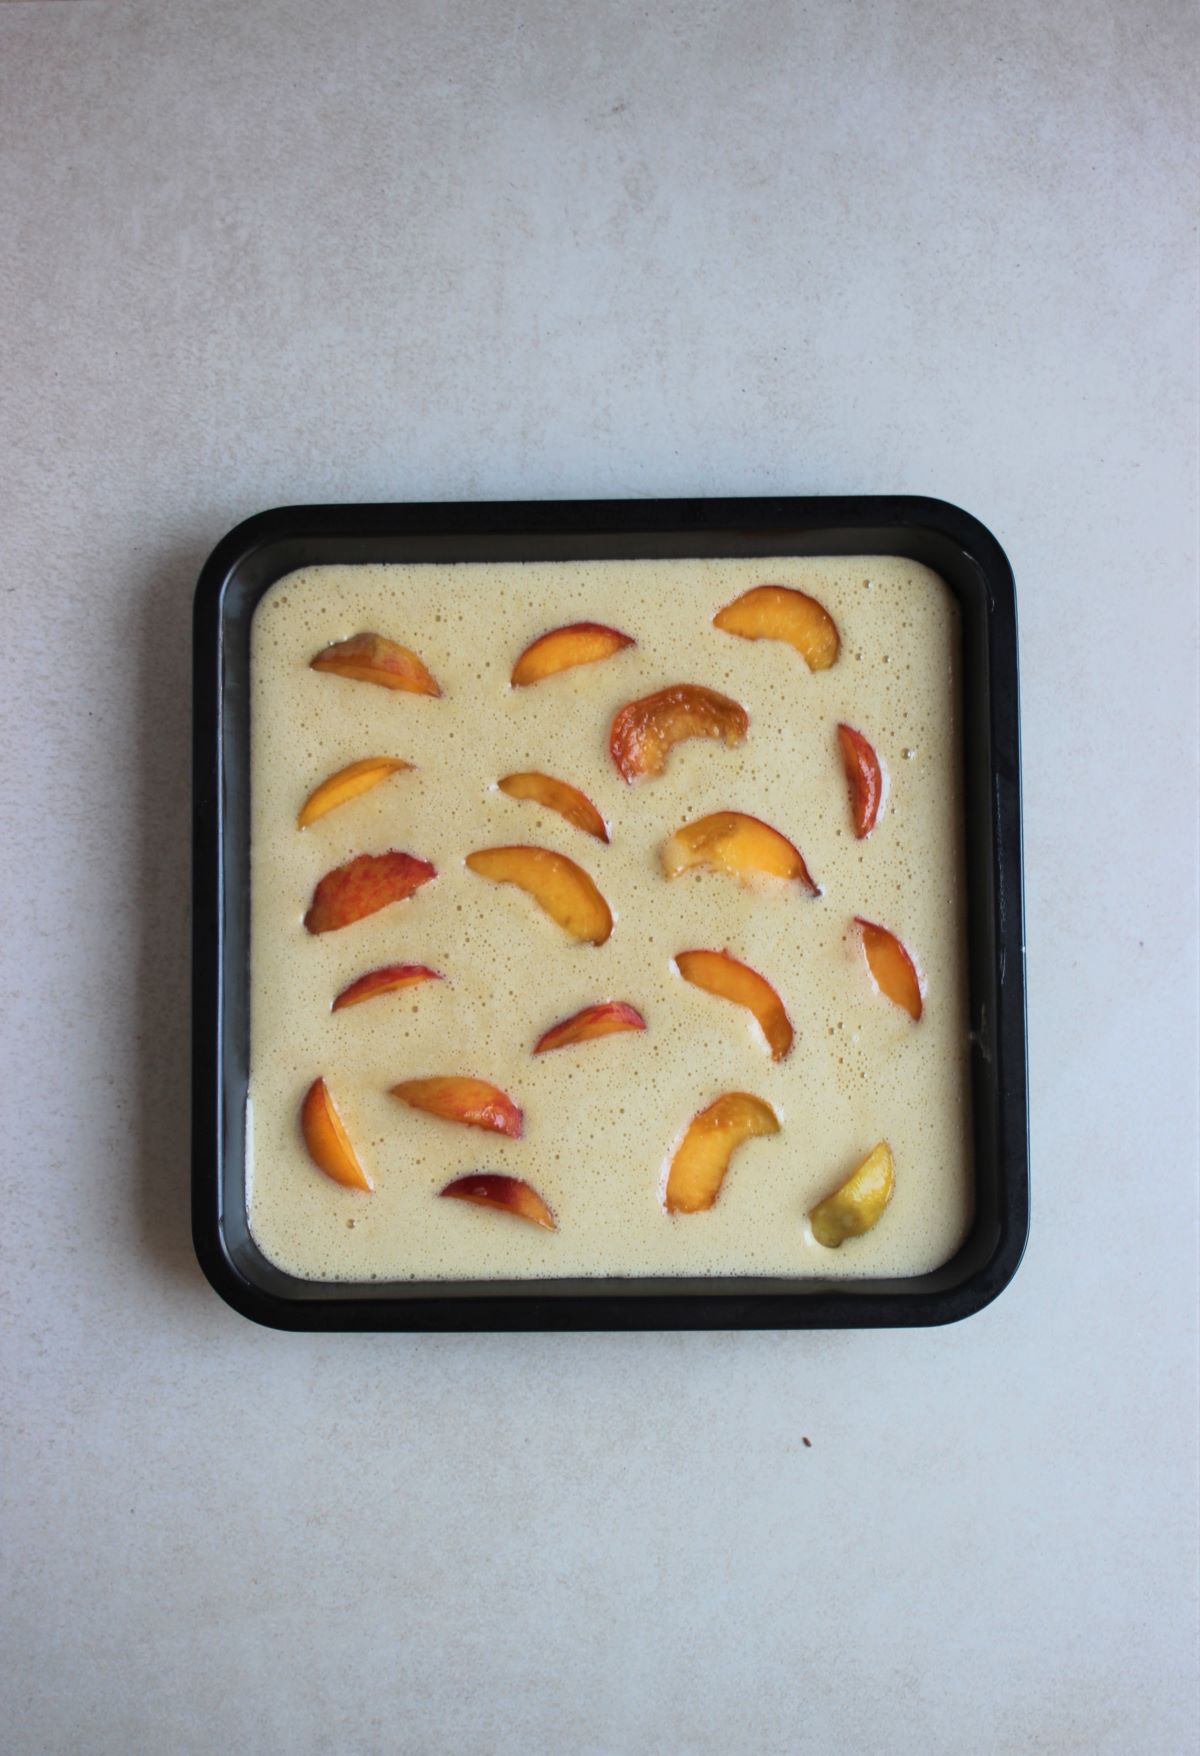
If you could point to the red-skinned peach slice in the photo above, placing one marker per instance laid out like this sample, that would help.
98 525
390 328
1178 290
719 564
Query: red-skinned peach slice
779 612
702 1157
346 784
645 731
388 979
864 774
579 643
557 795
729 841
718 973
327 1141
370 658
458 1099
602 1020
558 886
893 970
362 886
506 1194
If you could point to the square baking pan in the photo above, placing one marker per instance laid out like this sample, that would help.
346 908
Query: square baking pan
257 553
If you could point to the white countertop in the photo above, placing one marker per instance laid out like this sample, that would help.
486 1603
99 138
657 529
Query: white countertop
269 253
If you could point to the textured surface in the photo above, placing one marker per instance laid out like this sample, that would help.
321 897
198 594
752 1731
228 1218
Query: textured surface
262 253
600 1124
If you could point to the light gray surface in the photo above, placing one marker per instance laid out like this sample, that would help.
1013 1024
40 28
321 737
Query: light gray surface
269 253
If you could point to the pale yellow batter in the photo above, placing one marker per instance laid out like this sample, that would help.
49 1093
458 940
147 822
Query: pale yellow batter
601 1118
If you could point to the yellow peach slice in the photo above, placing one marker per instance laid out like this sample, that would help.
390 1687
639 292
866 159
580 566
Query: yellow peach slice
856 1206
892 969
369 658
718 973
644 732
558 886
362 886
346 784
458 1099
779 612
327 1141
506 1194
389 978
579 643
557 795
602 1020
702 1157
729 841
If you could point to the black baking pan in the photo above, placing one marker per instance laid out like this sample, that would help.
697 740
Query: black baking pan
257 553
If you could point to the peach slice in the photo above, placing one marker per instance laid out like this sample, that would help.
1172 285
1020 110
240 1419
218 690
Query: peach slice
864 772
456 1099
602 1020
557 795
894 971
369 658
857 1205
779 612
644 732
386 980
729 841
718 973
506 1194
362 886
327 1141
579 643
346 784
555 883
702 1157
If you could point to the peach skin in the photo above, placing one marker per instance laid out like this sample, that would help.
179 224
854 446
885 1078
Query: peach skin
892 969
346 784
579 643
718 973
369 658
864 775
602 1020
779 612
506 1194
362 886
560 888
702 1157
389 978
455 1098
858 1204
729 841
328 1143
557 795
645 731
